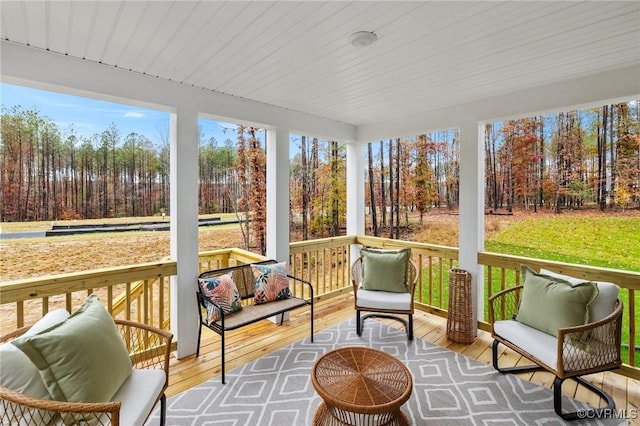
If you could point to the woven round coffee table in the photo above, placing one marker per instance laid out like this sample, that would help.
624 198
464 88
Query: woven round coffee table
360 386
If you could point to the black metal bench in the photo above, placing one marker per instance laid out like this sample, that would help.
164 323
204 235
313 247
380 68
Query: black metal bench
249 314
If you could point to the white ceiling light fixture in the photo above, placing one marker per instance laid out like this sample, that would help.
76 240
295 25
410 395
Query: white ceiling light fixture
363 38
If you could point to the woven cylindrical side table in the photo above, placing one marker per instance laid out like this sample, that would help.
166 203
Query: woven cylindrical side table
460 311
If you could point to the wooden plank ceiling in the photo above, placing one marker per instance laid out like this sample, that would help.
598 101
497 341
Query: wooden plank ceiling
297 55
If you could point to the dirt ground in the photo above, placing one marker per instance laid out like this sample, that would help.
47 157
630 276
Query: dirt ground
54 255
27 258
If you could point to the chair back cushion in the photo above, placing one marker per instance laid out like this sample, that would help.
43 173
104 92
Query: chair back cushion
603 305
82 359
550 303
385 270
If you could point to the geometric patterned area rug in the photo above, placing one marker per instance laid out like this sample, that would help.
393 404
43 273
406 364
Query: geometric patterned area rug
449 388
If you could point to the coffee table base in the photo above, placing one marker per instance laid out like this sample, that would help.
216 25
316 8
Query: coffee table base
332 416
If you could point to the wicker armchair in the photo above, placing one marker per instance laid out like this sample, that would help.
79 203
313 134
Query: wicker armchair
585 349
149 349
383 304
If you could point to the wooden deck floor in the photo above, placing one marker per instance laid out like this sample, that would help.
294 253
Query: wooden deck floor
250 343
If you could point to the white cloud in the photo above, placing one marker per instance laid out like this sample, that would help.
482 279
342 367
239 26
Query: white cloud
134 114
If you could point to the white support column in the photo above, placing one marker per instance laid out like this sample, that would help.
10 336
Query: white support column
277 147
355 192
184 229
471 218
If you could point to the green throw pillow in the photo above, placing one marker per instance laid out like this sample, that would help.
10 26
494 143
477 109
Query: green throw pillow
385 270
550 303
82 359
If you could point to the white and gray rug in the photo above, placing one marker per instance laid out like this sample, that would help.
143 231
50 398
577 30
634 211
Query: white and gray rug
449 388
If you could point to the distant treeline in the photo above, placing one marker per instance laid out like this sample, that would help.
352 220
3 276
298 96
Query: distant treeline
566 160
46 176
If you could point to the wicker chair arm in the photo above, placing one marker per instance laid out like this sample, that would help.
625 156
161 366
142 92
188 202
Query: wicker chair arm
14 334
504 304
17 408
149 347
413 278
356 274
592 345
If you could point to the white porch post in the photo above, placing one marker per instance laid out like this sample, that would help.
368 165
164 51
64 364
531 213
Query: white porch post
184 228
277 147
355 192
471 219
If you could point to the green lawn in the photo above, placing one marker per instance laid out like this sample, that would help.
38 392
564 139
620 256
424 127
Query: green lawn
604 241
610 242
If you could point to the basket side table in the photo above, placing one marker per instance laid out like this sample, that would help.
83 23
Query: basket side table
360 386
460 310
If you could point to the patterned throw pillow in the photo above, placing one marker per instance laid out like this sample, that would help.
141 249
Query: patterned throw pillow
223 291
271 283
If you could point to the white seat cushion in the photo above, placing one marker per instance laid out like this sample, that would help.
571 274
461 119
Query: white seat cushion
539 344
373 299
545 346
138 394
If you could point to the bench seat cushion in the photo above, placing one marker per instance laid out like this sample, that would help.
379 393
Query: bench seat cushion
373 299
138 394
252 313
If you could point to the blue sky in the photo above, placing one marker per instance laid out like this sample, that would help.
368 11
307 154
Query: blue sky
90 116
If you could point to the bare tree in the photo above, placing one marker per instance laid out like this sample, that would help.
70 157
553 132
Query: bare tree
372 194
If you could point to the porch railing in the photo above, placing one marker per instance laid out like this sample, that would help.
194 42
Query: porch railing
141 292
135 292
326 263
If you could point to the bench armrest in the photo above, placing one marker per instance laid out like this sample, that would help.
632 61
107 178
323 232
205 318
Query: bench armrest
305 283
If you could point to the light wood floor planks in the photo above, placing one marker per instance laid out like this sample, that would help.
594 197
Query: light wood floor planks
252 342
